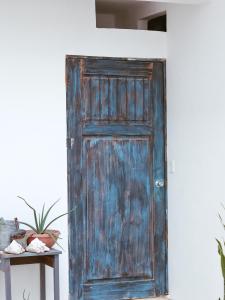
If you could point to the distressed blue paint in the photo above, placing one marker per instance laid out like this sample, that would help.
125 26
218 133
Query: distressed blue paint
131 105
112 99
86 98
119 290
104 98
117 67
159 172
147 105
111 161
115 129
74 128
139 89
117 239
95 98
116 99
122 98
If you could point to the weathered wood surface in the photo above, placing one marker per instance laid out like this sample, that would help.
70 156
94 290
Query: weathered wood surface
4 255
7 228
118 233
50 258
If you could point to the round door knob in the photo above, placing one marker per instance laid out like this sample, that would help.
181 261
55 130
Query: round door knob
159 183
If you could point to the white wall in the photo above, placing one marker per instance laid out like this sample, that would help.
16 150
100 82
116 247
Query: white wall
196 126
35 37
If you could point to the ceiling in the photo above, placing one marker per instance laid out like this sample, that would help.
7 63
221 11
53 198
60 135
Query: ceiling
110 3
114 6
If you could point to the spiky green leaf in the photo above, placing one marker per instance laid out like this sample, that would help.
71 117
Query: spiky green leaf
50 223
222 257
30 226
33 209
45 216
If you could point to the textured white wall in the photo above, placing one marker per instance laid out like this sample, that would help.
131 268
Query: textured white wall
196 125
35 37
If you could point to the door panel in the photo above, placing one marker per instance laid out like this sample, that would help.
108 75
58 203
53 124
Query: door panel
116 99
118 215
117 239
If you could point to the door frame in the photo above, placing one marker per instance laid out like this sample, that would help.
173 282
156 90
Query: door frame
74 164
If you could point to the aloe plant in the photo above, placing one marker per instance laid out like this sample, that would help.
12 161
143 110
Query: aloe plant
41 219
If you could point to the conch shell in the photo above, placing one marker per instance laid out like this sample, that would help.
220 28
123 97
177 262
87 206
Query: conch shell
37 246
14 248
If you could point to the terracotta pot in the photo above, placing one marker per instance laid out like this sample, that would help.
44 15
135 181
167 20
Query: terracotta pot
45 238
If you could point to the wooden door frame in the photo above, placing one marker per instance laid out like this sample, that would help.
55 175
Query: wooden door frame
74 162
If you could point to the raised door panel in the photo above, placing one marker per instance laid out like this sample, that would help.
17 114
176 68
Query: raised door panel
119 208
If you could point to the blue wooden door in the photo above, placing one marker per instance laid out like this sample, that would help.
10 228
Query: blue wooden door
116 178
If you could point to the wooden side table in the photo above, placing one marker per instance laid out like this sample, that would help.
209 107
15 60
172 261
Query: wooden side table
50 259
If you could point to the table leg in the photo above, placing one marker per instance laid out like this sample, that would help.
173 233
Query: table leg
42 282
8 292
56 277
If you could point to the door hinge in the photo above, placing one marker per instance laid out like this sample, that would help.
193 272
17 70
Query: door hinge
70 143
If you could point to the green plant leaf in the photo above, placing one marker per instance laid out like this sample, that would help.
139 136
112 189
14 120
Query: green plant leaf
221 221
56 219
222 257
39 222
33 209
42 218
30 226
46 215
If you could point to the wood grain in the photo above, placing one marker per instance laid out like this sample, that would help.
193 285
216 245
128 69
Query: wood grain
118 233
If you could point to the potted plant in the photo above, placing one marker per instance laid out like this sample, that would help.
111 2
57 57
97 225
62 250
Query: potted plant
41 228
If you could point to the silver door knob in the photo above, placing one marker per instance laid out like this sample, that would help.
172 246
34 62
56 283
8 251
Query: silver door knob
159 183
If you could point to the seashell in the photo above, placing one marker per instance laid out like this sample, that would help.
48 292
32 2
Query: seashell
14 248
37 246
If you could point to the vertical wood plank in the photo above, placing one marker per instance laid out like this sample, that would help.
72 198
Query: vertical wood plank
104 98
121 98
159 173
113 99
131 107
95 98
147 100
86 97
139 99
74 69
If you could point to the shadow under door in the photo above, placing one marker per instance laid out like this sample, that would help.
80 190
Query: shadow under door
116 178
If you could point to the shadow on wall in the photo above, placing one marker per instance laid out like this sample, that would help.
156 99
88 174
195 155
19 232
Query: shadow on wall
130 15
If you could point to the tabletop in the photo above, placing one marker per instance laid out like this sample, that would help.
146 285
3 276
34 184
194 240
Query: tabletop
52 252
